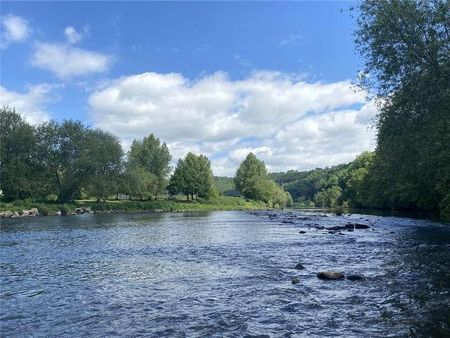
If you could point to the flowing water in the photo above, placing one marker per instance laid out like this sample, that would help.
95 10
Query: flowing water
223 274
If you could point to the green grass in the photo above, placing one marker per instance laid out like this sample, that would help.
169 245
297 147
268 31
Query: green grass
218 203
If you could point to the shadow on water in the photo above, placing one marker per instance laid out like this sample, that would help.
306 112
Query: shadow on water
419 267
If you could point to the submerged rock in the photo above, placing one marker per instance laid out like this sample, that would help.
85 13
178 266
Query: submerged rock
359 226
299 266
295 280
330 275
355 277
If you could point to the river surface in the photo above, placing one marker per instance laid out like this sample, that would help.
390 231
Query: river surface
223 274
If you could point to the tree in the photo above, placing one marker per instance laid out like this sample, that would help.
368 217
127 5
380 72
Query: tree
270 192
253 182
356 189
105 179
21 177
406 46
76 155
138 182
193 176
248 171
154 157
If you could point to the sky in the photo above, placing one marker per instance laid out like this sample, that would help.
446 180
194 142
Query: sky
217 78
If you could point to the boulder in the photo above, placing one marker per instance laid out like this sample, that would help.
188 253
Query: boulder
359 226
349 226
330 275
33 212
7 214
295 280
355 277
299 266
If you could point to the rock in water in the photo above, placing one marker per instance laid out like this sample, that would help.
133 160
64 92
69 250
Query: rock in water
330 275
299 266
360 226
295 280
355 277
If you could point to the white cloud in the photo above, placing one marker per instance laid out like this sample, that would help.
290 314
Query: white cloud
72 35
30 104
291 40
67 61
13 29
288 122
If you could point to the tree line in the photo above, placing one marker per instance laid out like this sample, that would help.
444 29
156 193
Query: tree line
64 161
406 48
341 185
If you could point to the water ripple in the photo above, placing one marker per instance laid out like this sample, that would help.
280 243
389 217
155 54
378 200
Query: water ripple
223 274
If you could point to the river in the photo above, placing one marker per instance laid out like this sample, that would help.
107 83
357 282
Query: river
223 274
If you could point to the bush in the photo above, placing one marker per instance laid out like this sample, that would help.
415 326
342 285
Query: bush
44 210
65 210
52 198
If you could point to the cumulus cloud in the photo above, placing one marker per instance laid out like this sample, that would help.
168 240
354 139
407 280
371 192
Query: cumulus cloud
72 35
67 61
288 122
30 104
13 29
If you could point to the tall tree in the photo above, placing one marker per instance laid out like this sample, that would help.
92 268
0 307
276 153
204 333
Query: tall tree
248 170
20 175
406 46
75 155
154 157
108 157
252 181
193 177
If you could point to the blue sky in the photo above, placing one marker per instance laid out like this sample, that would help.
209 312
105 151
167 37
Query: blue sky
222 78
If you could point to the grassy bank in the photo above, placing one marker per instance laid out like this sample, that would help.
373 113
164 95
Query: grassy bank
219 203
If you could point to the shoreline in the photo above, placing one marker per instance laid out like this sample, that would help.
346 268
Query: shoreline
20 209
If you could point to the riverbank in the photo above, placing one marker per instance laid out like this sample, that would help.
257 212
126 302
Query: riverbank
28 208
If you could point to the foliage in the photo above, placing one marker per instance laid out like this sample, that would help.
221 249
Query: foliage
406 46
330 187
75 156
193 177
214 203
136 181
253 182
250 169
225 186
154 157
19 171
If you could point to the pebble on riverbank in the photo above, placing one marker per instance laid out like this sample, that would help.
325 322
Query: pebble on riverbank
23 213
